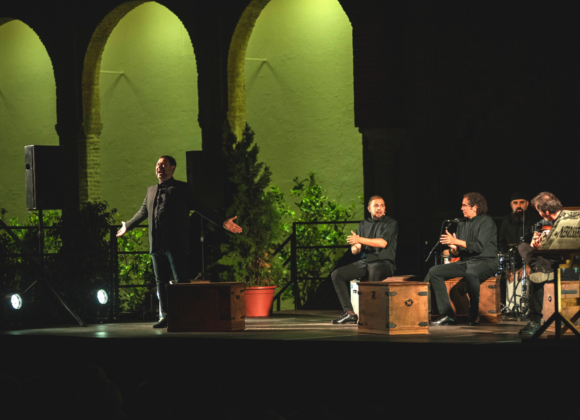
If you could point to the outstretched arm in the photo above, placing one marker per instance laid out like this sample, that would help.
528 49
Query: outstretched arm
138 218
123 230
231 226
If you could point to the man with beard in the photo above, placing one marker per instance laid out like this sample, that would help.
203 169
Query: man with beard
514 227
541 269
376 240
475 243
166 206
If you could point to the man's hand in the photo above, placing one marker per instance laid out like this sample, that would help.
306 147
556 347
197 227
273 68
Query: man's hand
518 274
511 275
231 226
536 240
122 231
353 239
449 239
355 249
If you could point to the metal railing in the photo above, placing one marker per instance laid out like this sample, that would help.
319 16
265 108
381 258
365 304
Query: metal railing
114 249
293 260
113 286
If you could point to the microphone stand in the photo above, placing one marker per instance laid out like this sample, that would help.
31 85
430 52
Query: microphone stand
438 242
524 297
201 276
519 309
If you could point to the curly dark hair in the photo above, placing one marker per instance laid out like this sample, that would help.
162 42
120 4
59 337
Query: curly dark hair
546 201
476 199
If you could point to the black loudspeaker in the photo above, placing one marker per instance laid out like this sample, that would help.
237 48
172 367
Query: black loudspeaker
204 175
44 175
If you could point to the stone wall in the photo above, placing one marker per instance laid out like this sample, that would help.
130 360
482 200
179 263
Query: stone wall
449 97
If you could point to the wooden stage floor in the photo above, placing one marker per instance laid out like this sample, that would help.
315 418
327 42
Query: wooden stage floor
298 353
293 326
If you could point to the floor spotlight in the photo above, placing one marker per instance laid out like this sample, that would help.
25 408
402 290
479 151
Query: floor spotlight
101 295
15 300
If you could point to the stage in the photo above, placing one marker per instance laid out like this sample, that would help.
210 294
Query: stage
289 326
299 357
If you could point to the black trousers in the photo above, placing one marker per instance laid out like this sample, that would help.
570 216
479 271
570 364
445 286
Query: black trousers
474 272
342 276
168 264
537 265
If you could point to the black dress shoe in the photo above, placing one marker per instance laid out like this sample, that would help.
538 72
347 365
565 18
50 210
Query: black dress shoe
346 318
161 324
473 321
444 320
530 329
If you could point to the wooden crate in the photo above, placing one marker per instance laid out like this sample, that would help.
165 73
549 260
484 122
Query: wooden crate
393 308
489 300
570 289
407 277
206 307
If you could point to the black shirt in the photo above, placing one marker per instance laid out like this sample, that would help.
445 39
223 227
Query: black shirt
158 210
385 228
510 232
480 236
176 204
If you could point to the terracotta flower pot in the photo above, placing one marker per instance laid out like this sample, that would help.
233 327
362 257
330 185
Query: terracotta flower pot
259 301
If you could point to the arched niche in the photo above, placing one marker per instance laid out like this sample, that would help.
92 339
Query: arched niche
290 76
27 107
140 101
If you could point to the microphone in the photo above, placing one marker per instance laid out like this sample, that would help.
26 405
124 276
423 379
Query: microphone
452 221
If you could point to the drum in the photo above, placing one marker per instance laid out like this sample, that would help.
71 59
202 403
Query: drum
505 261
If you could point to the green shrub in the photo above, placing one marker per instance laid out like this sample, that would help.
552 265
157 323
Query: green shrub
314 206
134 269
247 256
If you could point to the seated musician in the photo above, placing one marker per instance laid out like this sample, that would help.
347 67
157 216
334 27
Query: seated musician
376 241
475 242
541 270
518 224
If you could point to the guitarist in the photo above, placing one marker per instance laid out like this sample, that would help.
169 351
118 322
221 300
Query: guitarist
549 208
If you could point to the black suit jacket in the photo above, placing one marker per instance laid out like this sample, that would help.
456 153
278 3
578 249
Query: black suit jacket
179 200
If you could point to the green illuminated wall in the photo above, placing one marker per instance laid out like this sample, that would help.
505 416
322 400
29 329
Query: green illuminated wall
27 108
300 101
150 110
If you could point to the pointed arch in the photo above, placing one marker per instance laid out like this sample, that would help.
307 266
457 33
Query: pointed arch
27 105
5 20
92 185
237 115
89 141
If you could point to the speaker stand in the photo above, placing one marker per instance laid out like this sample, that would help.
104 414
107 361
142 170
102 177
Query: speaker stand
40 262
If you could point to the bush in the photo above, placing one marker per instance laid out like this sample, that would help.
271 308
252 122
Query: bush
247 257
314 206
134 269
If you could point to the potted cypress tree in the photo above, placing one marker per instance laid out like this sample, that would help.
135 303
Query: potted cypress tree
247 257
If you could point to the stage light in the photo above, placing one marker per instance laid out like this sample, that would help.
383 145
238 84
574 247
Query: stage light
15 300
102 296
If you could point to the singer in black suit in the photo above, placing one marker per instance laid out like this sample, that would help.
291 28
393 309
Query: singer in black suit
475 243
167 206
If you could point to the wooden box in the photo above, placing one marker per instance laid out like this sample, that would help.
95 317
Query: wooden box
407 277
570 289
393 308
489 300
206 307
